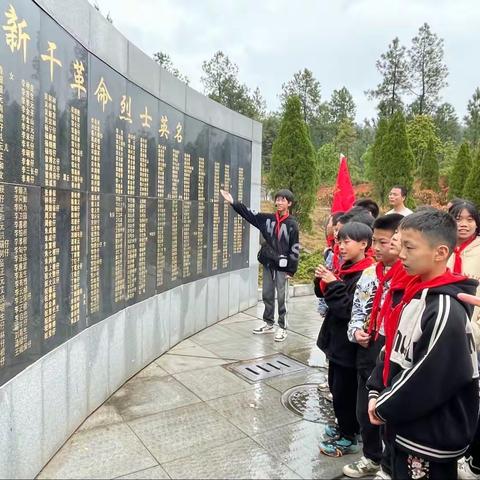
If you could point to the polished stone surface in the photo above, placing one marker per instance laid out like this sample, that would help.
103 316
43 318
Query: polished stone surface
187 416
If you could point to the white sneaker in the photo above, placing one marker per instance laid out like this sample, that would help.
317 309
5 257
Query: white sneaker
361 468
465 472
382 475
280 335
323 387
265 328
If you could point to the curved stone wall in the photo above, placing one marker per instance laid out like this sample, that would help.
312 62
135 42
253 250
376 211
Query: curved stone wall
114 246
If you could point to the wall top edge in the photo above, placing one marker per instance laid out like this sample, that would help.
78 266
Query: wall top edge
82 21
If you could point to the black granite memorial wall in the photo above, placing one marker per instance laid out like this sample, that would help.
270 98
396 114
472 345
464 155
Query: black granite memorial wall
108 195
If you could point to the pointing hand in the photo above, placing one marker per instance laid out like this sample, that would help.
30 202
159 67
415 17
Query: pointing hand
227 196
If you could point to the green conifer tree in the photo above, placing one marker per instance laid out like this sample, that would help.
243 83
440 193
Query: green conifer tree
460 171
429 170
375 159
396 159
294 164
471 190
328 161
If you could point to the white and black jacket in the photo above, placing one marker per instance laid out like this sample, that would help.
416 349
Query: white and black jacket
431 403
285 244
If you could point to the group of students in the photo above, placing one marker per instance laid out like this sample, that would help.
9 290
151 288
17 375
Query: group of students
400 340
398 331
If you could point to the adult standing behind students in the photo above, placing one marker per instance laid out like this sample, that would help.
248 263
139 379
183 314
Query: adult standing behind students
279 256
396 198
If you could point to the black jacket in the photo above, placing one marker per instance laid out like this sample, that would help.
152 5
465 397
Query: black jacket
431 403
333 338
287 245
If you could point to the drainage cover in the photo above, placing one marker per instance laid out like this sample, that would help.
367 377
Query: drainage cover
265 367
309 403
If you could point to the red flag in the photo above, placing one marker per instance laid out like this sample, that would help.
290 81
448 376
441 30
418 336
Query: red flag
343 195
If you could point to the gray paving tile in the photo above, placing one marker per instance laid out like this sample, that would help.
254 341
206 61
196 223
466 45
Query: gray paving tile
146 396
176 363
152 370
240 459
297 445
293 342
242 349
214 334
186 343
256 311
245 328
311 356
191 349
285 382
103 416
154 473
184 431
99 453
214 382
238 317
254 411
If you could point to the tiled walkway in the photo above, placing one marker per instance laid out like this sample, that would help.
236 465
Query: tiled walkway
186 416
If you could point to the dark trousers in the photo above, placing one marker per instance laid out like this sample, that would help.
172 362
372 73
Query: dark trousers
274 280
371 435
408 466
343 386
386 461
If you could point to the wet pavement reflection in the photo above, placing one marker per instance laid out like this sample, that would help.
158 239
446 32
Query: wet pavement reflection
187 416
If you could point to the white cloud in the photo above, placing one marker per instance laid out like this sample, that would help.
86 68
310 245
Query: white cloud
272 39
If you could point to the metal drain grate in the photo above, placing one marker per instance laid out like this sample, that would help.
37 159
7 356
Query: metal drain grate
265 367
308 402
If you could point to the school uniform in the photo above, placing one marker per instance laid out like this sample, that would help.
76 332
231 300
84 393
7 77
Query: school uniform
278 255
430 401
333 341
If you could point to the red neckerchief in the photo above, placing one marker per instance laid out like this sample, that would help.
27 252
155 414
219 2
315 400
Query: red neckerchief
457 266
279 222
330 241
414 286
336 258
383 278
398 284
350 268
355 267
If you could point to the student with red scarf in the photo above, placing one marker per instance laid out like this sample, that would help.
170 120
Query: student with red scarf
430 401
278 255
466 256
366 329
466 260
354 239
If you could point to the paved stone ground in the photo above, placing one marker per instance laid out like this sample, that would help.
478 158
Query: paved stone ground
186 416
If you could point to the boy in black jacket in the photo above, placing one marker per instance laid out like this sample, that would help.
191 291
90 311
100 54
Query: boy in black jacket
366 329
354 239
278 254
430 403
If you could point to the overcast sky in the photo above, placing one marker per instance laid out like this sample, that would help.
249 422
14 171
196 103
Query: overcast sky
339 40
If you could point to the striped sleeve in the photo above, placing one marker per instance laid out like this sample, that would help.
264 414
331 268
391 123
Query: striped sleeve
440 367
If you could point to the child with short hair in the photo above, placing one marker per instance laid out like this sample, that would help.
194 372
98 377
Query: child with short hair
466 260
354 239
366 329
278 254
430 403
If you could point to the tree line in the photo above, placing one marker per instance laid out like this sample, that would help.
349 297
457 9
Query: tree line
415 137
